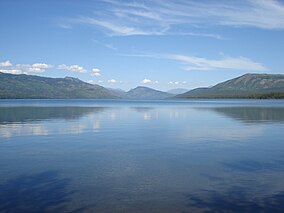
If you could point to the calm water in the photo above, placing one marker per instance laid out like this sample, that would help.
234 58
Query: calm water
139 156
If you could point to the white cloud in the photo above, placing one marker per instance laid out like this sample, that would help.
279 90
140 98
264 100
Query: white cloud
176 82
5 64
73 68
96 72
94 82
33 68
112 81
146 81
41 66
11 71
7 67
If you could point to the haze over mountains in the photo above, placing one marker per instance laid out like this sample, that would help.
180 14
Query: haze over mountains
177 91
36 87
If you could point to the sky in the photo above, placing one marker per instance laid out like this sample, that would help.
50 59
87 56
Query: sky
162 44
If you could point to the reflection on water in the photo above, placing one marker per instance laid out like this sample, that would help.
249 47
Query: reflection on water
143 109
43 192
255 166
253 114
26 114
31 120
235 200
142 157
37 193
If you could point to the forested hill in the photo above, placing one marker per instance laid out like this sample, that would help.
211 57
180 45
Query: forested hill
246 86
28 86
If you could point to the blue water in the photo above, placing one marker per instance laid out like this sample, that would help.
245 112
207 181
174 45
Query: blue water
141 156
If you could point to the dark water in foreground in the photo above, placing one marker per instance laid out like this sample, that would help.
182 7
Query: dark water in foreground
139 156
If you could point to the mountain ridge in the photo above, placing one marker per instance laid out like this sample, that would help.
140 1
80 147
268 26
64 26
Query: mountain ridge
245 86
142 92
36 87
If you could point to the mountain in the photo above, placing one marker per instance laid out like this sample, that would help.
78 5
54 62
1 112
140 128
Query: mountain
33 87
246 86
36 87
147 93
177 91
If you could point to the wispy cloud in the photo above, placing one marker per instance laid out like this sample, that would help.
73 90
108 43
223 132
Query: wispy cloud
107 45
110 46
197 63
117 29
166 17
200 63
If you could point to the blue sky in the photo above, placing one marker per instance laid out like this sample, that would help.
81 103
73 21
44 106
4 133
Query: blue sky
162 44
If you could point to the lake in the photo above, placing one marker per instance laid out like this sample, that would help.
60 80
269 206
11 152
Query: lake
141 156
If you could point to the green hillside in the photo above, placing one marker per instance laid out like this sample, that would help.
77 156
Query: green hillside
246 86
35 87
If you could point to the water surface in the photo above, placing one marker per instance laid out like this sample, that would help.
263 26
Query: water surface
141 156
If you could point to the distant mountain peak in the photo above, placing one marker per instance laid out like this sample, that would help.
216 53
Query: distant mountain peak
142 92
142 87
